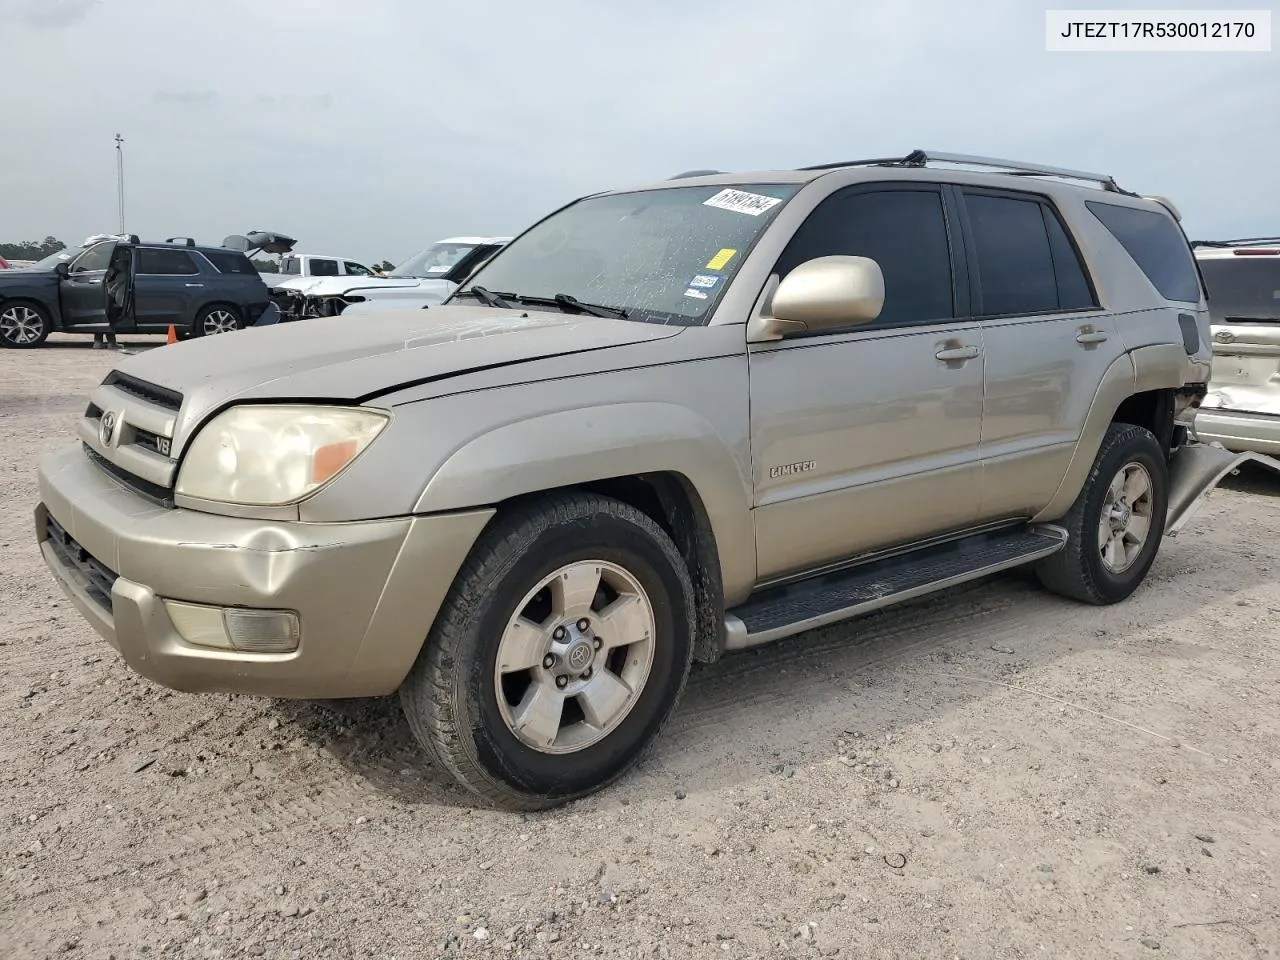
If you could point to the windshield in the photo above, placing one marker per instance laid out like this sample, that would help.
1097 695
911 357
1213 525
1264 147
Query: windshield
435 261
663 256
291 266
1246 288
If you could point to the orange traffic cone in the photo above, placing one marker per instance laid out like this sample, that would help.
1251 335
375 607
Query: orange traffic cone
173 335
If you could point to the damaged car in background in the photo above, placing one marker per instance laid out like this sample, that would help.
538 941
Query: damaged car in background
1242 408
423 280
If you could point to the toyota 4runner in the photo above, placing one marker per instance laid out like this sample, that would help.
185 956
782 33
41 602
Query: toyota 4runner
661 424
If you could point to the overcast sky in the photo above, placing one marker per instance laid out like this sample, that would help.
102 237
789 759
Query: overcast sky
370 128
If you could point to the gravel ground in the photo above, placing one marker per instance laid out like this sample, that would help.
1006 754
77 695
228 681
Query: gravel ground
992 773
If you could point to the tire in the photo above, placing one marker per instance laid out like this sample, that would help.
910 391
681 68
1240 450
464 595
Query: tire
215 319
1083 570
465 707
23 324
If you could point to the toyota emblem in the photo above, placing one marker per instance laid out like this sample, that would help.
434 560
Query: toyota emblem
1224 336
108 428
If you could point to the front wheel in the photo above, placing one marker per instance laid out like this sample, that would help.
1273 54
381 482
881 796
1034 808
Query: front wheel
23 324
560 651
1117 522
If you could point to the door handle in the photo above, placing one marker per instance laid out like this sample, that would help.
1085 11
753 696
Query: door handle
1088 335
195 284
950 354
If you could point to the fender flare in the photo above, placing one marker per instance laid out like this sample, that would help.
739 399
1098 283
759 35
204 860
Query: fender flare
1156 367
601 442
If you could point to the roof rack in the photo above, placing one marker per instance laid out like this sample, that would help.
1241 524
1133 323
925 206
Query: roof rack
1246 242
188 240
921 158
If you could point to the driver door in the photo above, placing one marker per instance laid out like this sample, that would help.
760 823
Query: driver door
81 288
868 438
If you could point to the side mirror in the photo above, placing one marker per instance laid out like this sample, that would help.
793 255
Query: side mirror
824 294
62 269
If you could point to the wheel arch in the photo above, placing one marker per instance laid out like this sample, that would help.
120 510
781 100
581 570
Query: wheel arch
1138 388
662 458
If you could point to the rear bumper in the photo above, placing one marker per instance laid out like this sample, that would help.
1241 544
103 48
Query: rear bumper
365 593
1239 431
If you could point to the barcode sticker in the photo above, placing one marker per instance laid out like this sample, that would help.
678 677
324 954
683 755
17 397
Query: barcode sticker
739 201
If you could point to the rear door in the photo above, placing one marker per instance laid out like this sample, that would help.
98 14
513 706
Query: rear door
166 283
82 297
1244 308
1048 345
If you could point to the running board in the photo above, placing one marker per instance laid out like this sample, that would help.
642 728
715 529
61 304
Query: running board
793 608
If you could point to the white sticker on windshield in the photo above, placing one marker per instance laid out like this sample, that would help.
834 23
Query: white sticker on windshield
739 201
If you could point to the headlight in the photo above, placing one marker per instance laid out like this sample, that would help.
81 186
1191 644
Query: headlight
277 454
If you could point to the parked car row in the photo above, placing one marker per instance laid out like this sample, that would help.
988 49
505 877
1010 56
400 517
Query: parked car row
424 279
146 287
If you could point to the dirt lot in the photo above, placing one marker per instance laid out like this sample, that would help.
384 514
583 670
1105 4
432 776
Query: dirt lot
993 773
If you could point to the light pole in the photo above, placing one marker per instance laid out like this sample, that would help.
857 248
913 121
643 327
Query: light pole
120 178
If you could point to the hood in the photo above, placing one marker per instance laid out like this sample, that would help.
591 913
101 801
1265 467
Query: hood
331 358
27 277
341 286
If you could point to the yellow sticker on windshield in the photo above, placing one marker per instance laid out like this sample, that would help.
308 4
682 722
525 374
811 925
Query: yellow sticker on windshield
720 259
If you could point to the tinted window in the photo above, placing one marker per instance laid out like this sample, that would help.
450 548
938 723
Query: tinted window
324 268
1156 245
95 258
1074 292
230 262
1015 263
1244 288
166 262
356 269
904 231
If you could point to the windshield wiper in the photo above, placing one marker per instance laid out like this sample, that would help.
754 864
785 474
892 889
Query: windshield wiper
565 301
595 309
488 297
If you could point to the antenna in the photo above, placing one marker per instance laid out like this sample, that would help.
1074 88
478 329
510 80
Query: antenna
120 178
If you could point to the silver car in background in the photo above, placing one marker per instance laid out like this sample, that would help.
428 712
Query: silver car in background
1242 408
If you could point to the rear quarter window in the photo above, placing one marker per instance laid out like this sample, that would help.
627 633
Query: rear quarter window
231 262
1156 245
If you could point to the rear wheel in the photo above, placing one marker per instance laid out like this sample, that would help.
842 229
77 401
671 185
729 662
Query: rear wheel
215 319
559 653
23 324
1116 524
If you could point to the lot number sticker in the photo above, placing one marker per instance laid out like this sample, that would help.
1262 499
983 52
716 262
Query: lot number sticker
739 201
721 259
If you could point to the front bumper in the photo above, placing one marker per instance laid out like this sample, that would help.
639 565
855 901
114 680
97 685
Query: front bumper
1239 430
366 593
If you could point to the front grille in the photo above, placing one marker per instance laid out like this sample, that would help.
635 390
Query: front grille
160 496
98 577
160 396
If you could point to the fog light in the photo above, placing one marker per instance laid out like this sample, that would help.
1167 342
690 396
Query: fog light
262 631
234 628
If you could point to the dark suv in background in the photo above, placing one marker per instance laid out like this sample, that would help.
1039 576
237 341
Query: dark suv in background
200 290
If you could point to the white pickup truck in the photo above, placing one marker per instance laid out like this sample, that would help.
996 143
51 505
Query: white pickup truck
309 266
422 280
